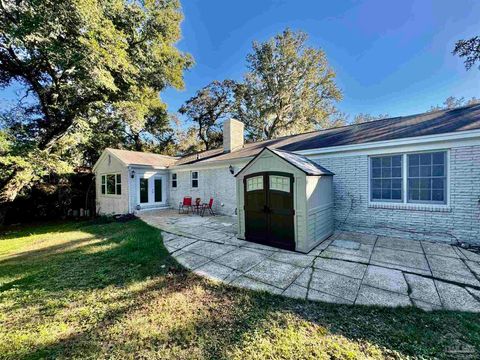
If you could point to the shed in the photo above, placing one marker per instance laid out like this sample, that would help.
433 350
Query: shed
284 200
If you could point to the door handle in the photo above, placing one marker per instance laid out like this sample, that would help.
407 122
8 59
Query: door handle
266 209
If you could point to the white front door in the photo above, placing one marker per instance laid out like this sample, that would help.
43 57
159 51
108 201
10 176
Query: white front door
151 189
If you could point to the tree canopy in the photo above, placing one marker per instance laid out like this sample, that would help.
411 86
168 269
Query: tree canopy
365 117
208 108
289 88
468 49
453 102
91 69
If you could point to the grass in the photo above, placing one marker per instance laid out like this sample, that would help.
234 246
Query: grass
85 290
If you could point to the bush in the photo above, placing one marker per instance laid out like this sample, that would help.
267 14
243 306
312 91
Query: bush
54 198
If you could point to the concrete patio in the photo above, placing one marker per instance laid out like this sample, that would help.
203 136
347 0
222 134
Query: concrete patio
348 268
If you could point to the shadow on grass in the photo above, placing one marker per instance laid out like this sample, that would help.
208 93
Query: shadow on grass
15 231
108 254
182 315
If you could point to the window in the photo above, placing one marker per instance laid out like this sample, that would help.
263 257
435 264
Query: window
111 184
119 184
386 178
174 180
427 177
255 183
194 175
423 180
280 183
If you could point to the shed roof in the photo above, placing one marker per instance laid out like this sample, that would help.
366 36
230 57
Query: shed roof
302 163
142 158
429 123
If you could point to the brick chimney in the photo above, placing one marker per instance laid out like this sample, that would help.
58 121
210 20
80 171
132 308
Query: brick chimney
232 135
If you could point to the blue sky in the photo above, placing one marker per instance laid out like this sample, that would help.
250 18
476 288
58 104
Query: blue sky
390 56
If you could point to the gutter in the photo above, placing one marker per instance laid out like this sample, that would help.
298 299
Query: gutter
211 164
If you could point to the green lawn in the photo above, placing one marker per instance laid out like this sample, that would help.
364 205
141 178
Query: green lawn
78 290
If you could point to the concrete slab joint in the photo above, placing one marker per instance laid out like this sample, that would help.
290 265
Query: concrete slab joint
347 268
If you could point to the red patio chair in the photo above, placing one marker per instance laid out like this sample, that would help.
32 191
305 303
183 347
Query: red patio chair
185 205
208 207
197 206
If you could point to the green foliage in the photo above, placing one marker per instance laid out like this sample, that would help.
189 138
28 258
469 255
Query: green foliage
468 49
289 89
208 108
88 66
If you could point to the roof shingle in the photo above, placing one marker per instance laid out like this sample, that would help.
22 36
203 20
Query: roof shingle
143 158
430 123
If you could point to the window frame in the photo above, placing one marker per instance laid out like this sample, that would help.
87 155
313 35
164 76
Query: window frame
370 179
192 179
279 187
405 203
258 186
174 180
445 176
117 185
103 184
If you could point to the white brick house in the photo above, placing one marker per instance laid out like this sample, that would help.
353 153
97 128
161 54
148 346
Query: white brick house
415 176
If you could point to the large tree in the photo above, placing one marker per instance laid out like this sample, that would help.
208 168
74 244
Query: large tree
208 108
468 49
290 88
83 63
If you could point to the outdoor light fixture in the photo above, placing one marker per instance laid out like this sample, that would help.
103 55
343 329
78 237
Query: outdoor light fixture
232 170
132 174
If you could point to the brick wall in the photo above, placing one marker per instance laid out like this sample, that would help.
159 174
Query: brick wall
460 221
218 183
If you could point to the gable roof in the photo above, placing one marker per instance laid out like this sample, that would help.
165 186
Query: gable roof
142 158
430 123
302 163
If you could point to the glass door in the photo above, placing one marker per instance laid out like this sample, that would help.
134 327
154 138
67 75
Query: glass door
143 187
157 189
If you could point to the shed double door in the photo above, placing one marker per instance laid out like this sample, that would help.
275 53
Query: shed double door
269 212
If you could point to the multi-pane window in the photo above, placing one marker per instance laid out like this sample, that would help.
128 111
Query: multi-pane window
174 180
280 183
427 177
386 178
255 183
119 184
194 175
111 184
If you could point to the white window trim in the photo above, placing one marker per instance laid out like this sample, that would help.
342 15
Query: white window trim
106 187
191 179
386 201
404 204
